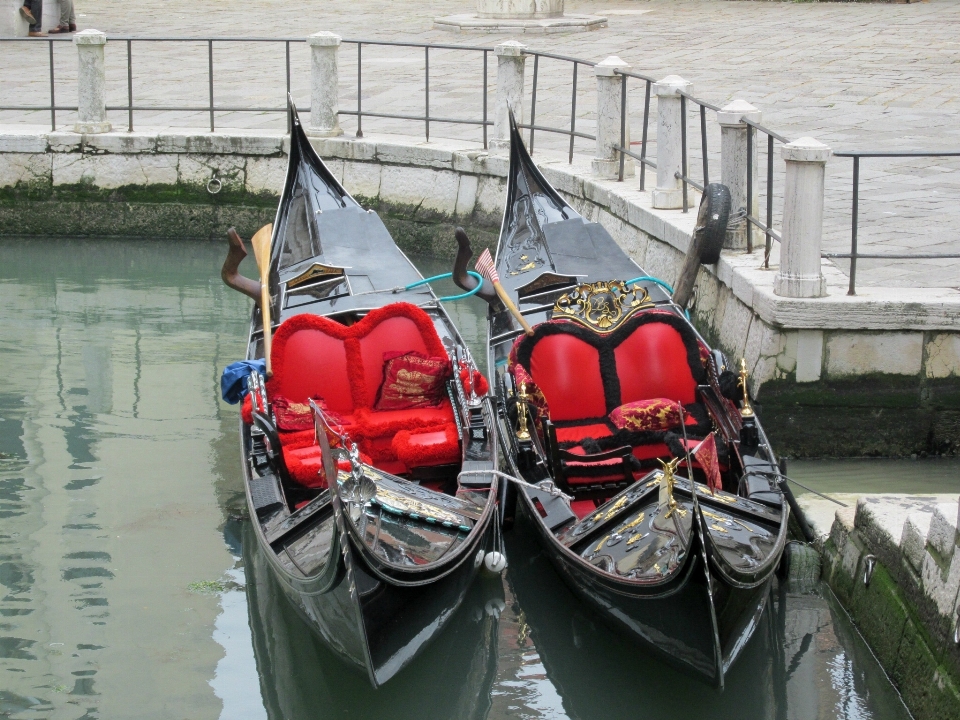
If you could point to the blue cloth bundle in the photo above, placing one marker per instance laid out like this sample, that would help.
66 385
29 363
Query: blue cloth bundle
233 382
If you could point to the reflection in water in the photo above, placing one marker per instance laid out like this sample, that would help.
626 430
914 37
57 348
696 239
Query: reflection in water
129 585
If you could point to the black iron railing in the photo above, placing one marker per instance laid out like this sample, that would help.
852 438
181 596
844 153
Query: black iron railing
622 149
532 125
684 174
854 253
766 227
483 123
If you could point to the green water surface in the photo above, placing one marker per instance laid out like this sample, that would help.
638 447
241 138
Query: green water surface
128 587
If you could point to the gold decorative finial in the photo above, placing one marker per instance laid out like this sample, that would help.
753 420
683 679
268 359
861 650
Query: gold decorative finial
747 409
523 434
666 486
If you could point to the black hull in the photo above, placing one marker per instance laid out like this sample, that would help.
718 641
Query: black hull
374 614
594 664
301 678
677 622
701 615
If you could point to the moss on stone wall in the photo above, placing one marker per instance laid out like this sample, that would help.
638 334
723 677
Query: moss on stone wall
921 666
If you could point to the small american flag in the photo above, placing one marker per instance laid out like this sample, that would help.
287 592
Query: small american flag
485 266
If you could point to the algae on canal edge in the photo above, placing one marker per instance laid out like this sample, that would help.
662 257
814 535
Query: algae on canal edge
120 492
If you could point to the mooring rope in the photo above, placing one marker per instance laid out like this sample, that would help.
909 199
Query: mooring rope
546 486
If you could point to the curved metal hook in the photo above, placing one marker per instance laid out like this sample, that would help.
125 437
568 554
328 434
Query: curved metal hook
460 276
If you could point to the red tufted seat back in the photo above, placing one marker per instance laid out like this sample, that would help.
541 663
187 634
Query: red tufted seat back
584 374
314 355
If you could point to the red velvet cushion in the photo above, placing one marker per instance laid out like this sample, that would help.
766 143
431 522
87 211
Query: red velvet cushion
579 432
292 416
424 448
647 415
314 363
567 371
314 355
395 335
412 380
652 363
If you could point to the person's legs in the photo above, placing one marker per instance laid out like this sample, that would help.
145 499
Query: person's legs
66 13
36 9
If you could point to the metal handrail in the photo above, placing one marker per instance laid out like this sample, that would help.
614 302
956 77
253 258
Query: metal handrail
533 127
854 254
623 151
767 228
683 176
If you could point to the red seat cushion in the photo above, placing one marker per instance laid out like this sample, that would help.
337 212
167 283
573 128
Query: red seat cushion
578 432
652 362
567 371
428 447
315 356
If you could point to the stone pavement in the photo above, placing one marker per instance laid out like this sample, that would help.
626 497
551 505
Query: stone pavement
853 75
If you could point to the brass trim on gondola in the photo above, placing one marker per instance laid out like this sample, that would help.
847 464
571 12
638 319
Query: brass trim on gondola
315 273
747 409
602 306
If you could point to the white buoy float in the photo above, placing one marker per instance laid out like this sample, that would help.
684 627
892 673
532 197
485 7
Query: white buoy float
495 562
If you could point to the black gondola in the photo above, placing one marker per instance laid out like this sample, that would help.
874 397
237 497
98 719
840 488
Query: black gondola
606 398
364 356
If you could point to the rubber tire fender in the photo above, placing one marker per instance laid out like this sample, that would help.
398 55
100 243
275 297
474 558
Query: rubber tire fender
712 221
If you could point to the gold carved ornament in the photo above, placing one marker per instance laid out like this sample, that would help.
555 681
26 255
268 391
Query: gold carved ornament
602 306
747 409
523 433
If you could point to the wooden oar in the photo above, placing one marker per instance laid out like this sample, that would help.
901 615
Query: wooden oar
486 268
261 251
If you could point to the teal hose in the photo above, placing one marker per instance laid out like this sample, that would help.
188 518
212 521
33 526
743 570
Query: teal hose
658 281
665 285
444 276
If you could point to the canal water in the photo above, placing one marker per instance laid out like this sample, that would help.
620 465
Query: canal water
130 586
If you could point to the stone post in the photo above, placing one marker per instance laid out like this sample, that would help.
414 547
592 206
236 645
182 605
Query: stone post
733 166
799 274
324 85
606 164
510 65
91 83
668 193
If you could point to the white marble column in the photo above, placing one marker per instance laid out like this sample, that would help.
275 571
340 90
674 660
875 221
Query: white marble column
606 164
324 85
91 83
510 65
799 275
668 193
519 8
733 166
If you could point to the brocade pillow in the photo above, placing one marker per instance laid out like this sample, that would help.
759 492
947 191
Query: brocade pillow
646 415
412 380
293 416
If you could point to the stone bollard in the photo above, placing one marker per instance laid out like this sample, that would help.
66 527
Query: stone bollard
799 275
733 166
668 193
91 83
510 65
606 164
324 85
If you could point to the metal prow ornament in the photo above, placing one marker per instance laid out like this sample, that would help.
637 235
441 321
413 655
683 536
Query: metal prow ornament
666 499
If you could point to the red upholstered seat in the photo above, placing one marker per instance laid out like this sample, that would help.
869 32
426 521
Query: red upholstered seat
317 357
583 375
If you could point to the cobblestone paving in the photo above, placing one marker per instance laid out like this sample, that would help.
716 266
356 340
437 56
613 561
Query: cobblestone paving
853 75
